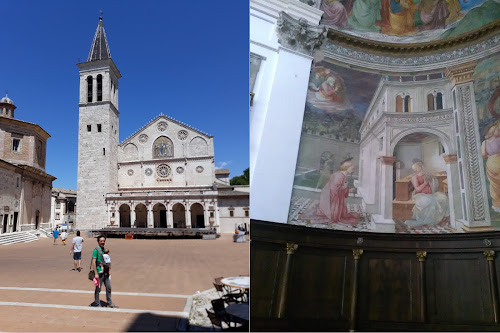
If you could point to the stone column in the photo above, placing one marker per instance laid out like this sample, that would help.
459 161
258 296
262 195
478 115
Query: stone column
170 216
132 216
150 223
117 216
188 215
453 180
383 222
217 218
476 215
94 88
206 214
108 211
271 186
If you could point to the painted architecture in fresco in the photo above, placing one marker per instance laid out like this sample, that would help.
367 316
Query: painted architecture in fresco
162 176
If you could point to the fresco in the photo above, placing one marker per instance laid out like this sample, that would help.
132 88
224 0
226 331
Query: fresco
408 21
487 92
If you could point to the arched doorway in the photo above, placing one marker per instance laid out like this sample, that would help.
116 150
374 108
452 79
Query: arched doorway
141 216
160 215
197 216
124 216
179 212
419 150
37 219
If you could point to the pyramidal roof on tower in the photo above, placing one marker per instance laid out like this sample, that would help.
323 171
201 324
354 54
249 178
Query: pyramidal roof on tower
100 48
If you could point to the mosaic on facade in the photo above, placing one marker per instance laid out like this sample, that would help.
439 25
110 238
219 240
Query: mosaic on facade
409 21
408 154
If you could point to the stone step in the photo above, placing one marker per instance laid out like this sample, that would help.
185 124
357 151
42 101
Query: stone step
17 237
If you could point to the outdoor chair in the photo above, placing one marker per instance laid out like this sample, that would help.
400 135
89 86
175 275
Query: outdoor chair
230 298
214 320
220 311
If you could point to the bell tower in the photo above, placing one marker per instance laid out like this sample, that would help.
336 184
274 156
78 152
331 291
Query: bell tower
97 133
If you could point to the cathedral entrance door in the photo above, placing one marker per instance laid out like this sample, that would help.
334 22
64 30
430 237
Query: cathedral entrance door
163 218
200 221
14 228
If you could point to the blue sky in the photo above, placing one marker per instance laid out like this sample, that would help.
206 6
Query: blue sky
187 59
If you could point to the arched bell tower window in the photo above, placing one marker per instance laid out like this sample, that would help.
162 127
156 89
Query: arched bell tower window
163 147
99 87
89 89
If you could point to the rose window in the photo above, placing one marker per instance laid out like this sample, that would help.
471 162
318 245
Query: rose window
182 135
163 170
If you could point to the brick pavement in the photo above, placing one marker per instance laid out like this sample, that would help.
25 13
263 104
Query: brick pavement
174 269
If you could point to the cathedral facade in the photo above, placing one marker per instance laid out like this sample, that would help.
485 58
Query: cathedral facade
162 176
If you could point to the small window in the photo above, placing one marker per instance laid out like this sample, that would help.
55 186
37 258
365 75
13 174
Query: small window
231 213
58 216
247 213
58 204
99 127
89 128
104 151
211 214
15 145
17 184
112 214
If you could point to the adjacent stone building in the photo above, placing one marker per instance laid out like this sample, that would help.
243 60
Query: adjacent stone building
162 176
26 187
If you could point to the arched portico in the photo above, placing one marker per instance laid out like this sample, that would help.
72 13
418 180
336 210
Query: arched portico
124 216
197 216
160 215
179 215
141 216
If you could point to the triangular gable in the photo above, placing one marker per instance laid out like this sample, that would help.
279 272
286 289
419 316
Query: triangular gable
162 116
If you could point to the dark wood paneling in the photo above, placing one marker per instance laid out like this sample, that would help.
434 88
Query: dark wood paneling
449 290
265 267
458 290
320 285
390 293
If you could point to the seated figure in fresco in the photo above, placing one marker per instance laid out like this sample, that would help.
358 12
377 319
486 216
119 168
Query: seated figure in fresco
433 14
334 13
431 206
490 149
330 90
332 207
364 15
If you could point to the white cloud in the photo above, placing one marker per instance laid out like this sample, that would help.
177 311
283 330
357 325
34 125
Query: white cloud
222 165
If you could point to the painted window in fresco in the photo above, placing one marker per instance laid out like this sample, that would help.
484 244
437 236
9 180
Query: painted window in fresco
408 21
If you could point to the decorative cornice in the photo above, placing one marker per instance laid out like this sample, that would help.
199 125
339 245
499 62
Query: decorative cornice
450 158
399 50
357 253
489 254
298 35
387 160
291 248
421 255
462 73
407 61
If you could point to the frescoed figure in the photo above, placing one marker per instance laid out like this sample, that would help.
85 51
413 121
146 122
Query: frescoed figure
434 14
335 13
431 206
490 149
332 207
364 15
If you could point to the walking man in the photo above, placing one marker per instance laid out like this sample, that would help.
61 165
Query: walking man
76 250
56 234
98 267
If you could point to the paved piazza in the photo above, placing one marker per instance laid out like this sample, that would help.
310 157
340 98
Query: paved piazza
153 282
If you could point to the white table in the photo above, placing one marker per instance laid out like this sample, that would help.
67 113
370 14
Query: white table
242 282
239 310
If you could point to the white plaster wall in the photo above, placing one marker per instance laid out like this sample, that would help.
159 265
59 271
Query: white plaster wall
406 152
431 153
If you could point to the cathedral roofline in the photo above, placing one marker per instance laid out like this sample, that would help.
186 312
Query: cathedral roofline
127 140
38 129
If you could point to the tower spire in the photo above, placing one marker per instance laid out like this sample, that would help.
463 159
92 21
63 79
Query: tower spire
99 49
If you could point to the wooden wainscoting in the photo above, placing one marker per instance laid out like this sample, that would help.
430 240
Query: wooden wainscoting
308 279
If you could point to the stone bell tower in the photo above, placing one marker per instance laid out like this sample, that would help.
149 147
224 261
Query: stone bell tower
97 133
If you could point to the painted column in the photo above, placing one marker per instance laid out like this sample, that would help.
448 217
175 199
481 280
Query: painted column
354 292
170 216
132 216
150 223
188 215
422 255
271 186
453 180
470 164
283 287
490 256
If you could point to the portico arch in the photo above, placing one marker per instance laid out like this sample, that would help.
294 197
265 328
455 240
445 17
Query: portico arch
197 216
160 215
141 216
442 137
124 216
179 214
